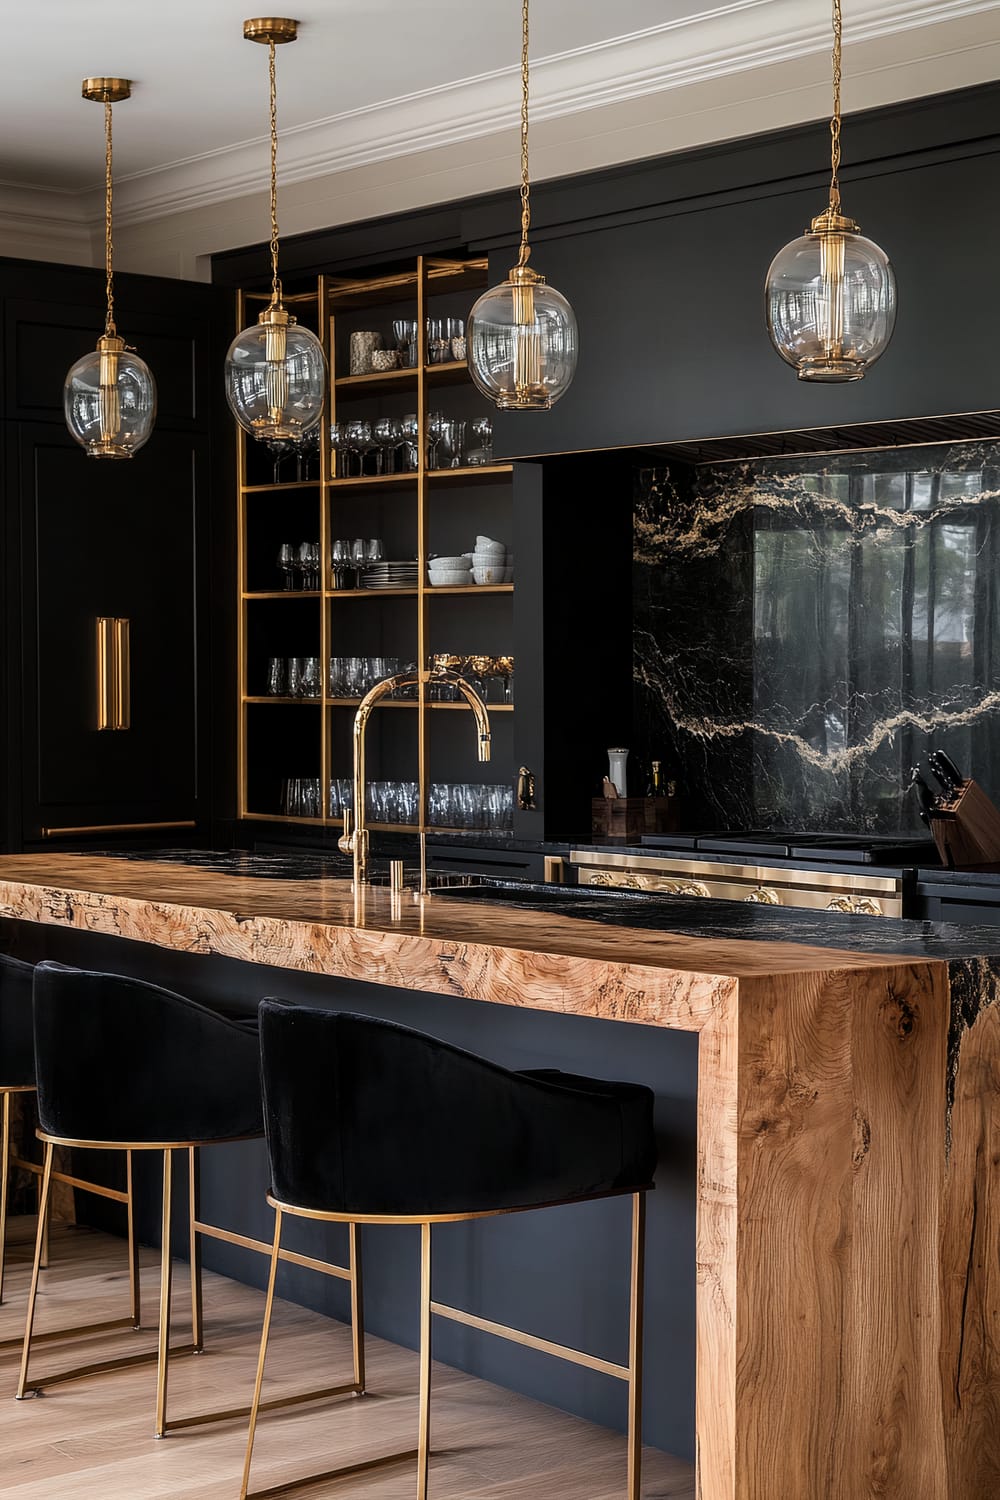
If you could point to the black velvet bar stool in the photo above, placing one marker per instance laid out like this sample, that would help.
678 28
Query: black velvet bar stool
17 1076
122 1065
368 1122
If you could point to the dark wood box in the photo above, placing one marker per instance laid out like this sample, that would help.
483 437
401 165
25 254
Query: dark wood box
630 817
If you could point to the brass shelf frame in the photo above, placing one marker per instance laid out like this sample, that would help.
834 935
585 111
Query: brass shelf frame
431 276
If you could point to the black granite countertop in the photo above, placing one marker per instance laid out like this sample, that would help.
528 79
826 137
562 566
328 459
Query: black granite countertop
695 917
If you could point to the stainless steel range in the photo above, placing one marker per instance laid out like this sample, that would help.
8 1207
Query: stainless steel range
826 872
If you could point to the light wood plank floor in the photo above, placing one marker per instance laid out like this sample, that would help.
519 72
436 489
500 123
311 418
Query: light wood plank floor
92 1439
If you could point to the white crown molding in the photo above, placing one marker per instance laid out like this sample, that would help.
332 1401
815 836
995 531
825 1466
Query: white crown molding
336 167
734 38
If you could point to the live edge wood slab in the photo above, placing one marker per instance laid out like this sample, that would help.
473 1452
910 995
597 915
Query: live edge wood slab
848 1139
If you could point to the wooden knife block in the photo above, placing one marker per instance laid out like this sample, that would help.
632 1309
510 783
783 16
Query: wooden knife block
967 829
628 818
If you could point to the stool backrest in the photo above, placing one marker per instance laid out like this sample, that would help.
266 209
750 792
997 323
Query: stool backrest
121 1060
366 1117
17 1043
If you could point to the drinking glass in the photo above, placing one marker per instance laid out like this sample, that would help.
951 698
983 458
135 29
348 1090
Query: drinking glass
276 676
295 677
358 561
357 437
374 549
343 568
309 559
310 683
335 679
387 434
482 432
354 676
306 448
409 431
505 669
405 333
288 562
279 448
435 434
338 443
479 669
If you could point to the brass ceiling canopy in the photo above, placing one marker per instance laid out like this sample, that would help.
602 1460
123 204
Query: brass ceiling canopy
270 29
107 90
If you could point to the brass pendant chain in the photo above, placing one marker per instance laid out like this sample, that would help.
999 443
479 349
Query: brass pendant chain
109 320
275 279
522 259
835 121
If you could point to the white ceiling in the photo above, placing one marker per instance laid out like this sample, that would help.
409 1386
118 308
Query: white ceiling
199 87
391 105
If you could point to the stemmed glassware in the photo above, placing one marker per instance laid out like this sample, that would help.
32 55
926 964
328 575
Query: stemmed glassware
309 562
288 561
482 431
279 448
306 449
358 554
387 435
409 431
343 568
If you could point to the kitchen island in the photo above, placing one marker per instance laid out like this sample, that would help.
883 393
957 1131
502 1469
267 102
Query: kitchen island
848 1132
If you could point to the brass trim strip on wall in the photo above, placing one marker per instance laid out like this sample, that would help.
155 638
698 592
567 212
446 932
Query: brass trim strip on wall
114 673
65 833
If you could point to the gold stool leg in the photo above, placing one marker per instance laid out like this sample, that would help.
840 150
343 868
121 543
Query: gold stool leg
135 1302
424 1437
264 1332
163 1345
357 1307
194 1215
4 1170
635 1346
43 1209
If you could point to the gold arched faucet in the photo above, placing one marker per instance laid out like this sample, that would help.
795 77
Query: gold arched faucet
355 841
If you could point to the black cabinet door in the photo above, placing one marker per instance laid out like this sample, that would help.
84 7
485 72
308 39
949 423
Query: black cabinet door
118 539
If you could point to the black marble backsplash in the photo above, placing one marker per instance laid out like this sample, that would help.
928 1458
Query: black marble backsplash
806 629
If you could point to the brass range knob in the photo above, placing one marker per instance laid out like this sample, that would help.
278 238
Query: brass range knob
763 896
840 903
599 877
693 888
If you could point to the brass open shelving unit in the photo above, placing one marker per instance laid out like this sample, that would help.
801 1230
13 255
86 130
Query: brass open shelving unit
336 299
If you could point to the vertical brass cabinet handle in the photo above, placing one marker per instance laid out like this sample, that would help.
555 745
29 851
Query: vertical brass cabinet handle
123 676
114 673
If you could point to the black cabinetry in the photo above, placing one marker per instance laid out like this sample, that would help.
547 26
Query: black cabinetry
87 540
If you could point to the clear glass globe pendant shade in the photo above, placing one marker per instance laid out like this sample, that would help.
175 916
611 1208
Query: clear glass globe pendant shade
522 343
276 377
831 301
109 399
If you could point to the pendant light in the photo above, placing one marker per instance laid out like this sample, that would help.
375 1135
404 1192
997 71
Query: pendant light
522 333
109 396
831 295
275 370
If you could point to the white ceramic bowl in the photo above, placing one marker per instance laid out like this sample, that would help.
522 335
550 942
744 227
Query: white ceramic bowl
488 575
450 579
448 564
495 550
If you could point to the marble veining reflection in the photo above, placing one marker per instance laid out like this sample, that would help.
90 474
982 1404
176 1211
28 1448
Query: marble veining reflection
806 629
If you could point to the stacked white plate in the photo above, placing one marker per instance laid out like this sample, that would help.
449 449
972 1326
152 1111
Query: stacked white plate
391 575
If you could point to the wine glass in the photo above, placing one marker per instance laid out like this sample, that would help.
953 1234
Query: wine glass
279 449
306 448
505 667
338 443
358 561
374 550
288 561
309 563
482 431
340 557
387 435
409 431
355 440
435 432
